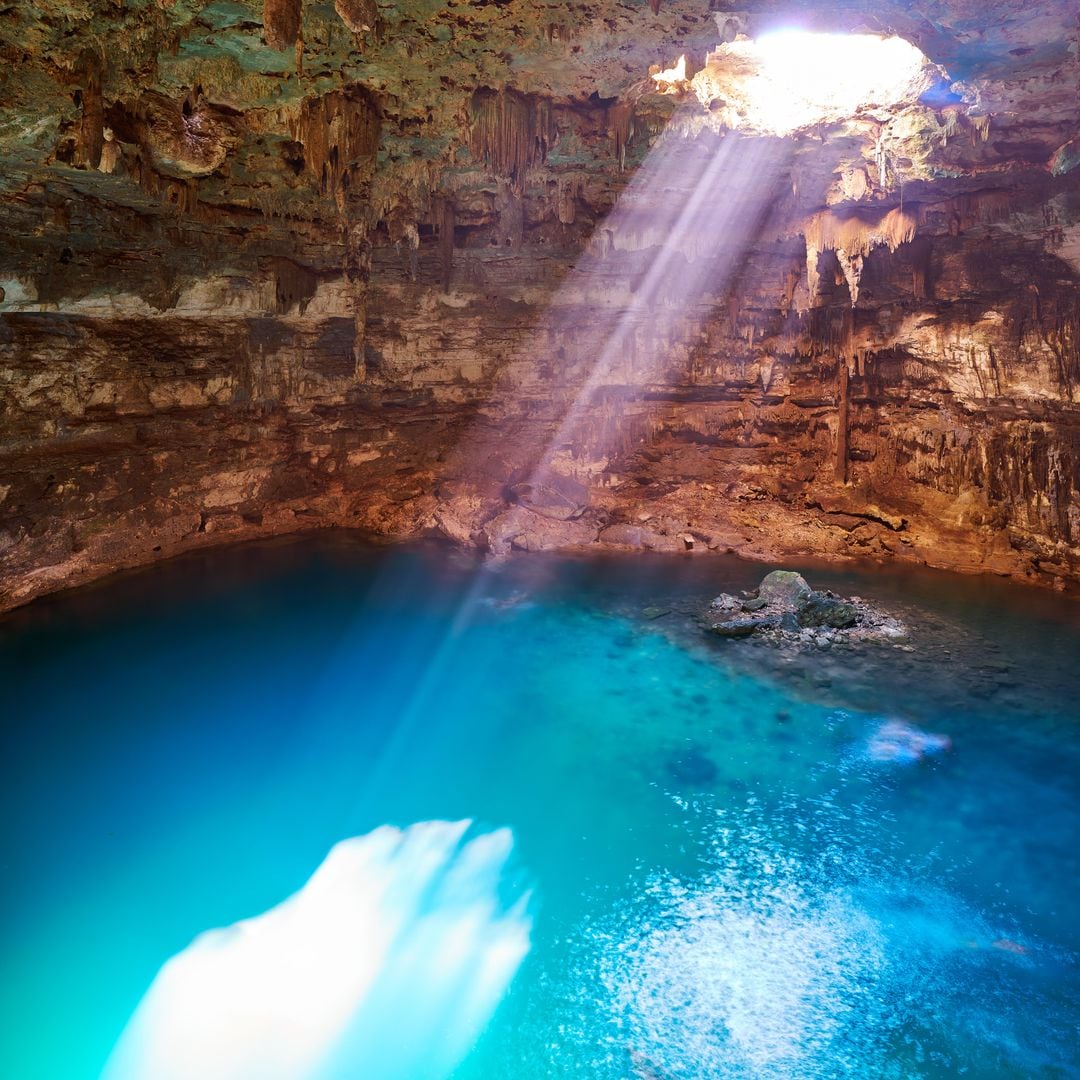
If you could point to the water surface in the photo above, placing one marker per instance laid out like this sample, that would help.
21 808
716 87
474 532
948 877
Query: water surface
724 881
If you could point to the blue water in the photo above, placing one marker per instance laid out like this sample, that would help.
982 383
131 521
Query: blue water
725 882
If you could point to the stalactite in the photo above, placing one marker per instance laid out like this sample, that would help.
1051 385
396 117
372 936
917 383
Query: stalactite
90 139
842 437
358 277
654 6
110 152
340 135
282 21
566 201
980 129
511 132
411 241
920 267
183 194
445 219
620 118
853 238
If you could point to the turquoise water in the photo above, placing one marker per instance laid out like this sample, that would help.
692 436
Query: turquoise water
724 881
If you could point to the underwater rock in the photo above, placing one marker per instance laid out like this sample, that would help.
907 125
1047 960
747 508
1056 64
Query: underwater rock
896 741
742 626
693 767
785 609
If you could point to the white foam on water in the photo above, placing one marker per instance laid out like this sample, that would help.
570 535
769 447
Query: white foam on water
386 965
822 961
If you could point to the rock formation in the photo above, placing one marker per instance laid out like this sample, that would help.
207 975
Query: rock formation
279 266
784 609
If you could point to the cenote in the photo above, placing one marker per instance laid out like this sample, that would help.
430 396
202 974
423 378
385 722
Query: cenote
682 857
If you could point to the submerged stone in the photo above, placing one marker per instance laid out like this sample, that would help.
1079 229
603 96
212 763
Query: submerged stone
742 626
693 767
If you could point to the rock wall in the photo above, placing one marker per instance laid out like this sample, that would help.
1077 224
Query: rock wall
358 270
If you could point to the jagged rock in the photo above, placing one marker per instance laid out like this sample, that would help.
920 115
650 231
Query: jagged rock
185 139
520 529
786 610
820 609
360 16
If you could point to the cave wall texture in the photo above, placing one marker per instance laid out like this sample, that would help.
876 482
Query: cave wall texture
278 266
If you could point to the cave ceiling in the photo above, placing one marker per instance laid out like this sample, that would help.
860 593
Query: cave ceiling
270 266
158 105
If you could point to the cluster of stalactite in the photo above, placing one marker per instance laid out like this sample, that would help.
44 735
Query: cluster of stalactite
339 132
853 237
511 132
1063 336
91 131
1050 319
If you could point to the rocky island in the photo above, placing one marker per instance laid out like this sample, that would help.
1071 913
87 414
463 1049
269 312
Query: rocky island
784 608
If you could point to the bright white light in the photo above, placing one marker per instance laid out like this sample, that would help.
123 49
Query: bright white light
672 75
386 965
794 79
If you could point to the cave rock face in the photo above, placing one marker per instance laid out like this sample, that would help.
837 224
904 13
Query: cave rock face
272 266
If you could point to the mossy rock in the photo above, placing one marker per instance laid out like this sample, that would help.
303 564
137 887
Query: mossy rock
783 587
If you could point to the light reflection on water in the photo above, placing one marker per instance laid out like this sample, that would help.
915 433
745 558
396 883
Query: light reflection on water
387 964
729 884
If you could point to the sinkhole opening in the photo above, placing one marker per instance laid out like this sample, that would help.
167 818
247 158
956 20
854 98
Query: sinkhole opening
789 80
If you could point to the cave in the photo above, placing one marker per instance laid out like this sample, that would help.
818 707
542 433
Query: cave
540 539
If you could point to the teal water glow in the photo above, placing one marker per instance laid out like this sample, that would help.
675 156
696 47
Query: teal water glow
726 882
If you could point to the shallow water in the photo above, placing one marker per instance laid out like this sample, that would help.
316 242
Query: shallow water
724 881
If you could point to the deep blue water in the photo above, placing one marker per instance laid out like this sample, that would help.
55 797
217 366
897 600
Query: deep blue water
725 882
